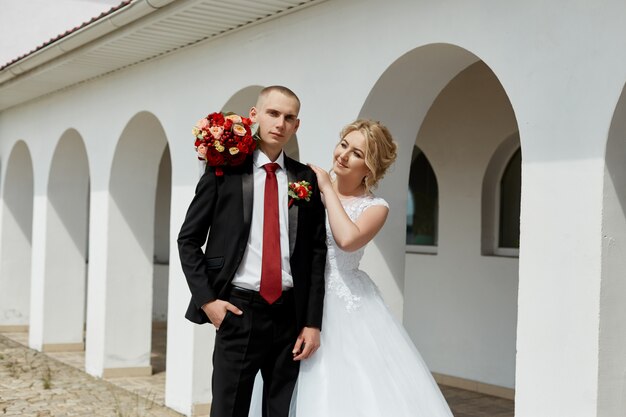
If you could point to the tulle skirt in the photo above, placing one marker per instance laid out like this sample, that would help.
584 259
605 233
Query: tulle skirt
367 366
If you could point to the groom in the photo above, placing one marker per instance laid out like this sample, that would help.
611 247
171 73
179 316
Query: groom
260 281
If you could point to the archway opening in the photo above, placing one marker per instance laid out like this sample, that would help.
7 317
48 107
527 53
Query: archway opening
67 224
139 188
16 246
459 307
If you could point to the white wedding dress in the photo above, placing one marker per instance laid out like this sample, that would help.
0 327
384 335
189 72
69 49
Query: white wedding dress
367 366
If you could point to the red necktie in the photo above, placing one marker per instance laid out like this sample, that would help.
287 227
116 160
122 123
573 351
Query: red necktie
271 272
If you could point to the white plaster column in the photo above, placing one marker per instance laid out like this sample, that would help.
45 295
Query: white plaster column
96 287
560 259
37 294
189 346
612 346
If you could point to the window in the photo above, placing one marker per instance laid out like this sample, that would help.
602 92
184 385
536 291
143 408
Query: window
510 199
422 202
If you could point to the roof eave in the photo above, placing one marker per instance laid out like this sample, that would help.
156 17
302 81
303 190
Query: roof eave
134 11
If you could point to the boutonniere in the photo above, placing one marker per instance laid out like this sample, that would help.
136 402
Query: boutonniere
300 190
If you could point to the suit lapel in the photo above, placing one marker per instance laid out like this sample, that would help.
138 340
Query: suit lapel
293 210
247 188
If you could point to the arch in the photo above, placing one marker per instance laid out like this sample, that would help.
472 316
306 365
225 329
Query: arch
16 239
58 323
130 276
490 207
401 97
448 102
612 338
243 100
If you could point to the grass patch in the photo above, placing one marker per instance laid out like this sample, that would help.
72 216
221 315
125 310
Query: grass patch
46 378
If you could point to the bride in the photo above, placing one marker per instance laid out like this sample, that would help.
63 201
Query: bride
366 366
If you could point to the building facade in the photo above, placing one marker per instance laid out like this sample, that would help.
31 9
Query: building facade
97 169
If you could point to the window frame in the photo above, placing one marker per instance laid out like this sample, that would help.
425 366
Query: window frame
491 194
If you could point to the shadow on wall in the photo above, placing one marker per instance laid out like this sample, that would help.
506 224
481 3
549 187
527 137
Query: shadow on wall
68 187
19 188
134 174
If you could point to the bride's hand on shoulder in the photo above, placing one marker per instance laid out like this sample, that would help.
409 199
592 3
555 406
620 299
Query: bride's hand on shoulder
323 179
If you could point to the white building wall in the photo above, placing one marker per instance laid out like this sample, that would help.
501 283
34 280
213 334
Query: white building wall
546 55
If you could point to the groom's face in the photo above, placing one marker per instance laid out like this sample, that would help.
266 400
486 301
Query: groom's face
277 116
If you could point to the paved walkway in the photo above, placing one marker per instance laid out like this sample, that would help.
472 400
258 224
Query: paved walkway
34 384
55 385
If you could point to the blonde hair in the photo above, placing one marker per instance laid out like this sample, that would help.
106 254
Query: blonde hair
380 148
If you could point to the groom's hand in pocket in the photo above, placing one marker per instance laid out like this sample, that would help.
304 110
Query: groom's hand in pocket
307 343
216 311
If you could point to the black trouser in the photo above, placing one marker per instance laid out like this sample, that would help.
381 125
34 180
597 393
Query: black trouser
262 338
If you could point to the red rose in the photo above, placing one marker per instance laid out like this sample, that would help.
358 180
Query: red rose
243 148
213 157
216 119
302 192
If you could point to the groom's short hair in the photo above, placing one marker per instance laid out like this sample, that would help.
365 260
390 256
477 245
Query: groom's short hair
281 89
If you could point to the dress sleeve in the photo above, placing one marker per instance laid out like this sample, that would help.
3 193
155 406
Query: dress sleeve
370 202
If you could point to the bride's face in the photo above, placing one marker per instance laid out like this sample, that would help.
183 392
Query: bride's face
349 157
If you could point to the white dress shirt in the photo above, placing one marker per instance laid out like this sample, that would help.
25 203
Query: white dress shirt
248 274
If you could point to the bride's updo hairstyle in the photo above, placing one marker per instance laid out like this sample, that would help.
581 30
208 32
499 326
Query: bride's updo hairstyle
380 149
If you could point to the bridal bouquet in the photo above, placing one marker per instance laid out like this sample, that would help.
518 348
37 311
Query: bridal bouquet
223 139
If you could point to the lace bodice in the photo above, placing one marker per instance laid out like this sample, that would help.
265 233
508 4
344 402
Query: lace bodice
338 258
343 277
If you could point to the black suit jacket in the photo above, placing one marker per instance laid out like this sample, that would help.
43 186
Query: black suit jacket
222 211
